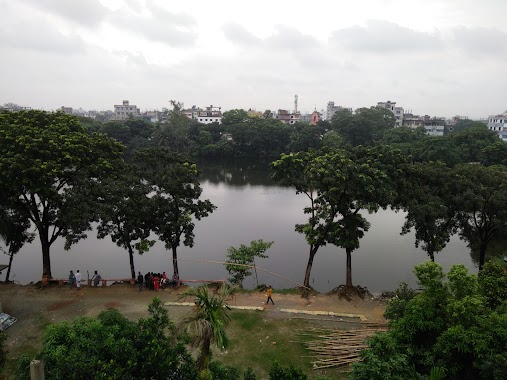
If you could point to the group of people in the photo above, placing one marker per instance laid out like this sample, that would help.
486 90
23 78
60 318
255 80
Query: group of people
75 279
155 281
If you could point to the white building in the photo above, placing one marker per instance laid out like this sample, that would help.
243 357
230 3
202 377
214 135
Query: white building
209 115
498 123
331 109
397 111
124 111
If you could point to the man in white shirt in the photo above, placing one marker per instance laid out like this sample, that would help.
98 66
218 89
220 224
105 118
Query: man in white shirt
78 280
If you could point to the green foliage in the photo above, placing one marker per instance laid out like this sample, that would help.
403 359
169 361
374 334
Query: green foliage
241 260
396 306
51 162
221 372
277 372
365 126
112 347
493 283
445 331
249 374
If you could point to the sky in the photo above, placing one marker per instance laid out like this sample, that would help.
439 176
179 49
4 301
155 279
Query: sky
434 57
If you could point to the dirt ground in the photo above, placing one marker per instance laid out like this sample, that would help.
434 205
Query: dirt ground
35 308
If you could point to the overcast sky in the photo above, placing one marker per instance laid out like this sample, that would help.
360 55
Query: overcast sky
436 57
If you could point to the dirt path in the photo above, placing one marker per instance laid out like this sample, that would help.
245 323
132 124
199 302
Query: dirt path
35 308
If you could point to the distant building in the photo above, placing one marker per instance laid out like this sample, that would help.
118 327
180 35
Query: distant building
288 117
210 115
331 109
498 123
315 118
397 111
125 110
66 110
435 126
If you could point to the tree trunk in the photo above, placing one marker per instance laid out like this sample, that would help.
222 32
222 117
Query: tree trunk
432 255
46 260
348 284
11 255
175 262
131 258
482 254
313 251
202 361
255 270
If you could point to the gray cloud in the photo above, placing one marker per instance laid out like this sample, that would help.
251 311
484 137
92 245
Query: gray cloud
383 36
40 36
84 12
174 29
480 40
237 34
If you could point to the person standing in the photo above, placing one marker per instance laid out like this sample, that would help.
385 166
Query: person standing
96 279
72 279
156 282
270 293
140 280
78 280
45 280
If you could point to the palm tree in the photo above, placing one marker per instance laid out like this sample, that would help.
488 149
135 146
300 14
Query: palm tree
207 324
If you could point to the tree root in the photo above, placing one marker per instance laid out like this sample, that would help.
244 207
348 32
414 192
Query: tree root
350 292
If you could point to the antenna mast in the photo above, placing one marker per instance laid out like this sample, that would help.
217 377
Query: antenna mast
295 103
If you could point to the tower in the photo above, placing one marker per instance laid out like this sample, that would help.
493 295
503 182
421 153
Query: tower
295 103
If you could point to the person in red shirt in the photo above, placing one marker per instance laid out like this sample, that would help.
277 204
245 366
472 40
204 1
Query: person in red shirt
156 281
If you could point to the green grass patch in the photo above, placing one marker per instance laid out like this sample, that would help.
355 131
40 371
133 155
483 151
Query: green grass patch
258 342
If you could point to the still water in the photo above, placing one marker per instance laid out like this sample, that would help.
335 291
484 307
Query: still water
251 207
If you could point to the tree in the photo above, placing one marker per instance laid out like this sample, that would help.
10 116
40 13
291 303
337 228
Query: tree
50 163
206 325
173 133
241 260
14 232
480 197
429 206
304 137
125 212
339 184
174 197
449 328
235 116
112 347
364 127
472 141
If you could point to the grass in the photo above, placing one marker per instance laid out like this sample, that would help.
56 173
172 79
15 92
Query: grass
258 342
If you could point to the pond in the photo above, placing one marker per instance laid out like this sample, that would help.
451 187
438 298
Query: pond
250 207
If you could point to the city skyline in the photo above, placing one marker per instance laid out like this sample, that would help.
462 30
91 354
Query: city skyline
437 57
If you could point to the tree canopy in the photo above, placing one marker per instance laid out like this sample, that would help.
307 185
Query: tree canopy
50 162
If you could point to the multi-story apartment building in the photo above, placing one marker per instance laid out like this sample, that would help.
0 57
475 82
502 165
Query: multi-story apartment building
288 117
331 109
397 111
498 123
205 116
125 110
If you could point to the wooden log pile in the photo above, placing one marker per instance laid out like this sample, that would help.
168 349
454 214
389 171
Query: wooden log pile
335 348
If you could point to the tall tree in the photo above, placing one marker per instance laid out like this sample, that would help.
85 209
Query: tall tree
207 324
174 197
429 206
480 195
50 162
125 212
339 184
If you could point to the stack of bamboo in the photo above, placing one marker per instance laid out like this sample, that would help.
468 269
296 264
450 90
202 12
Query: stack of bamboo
339 347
